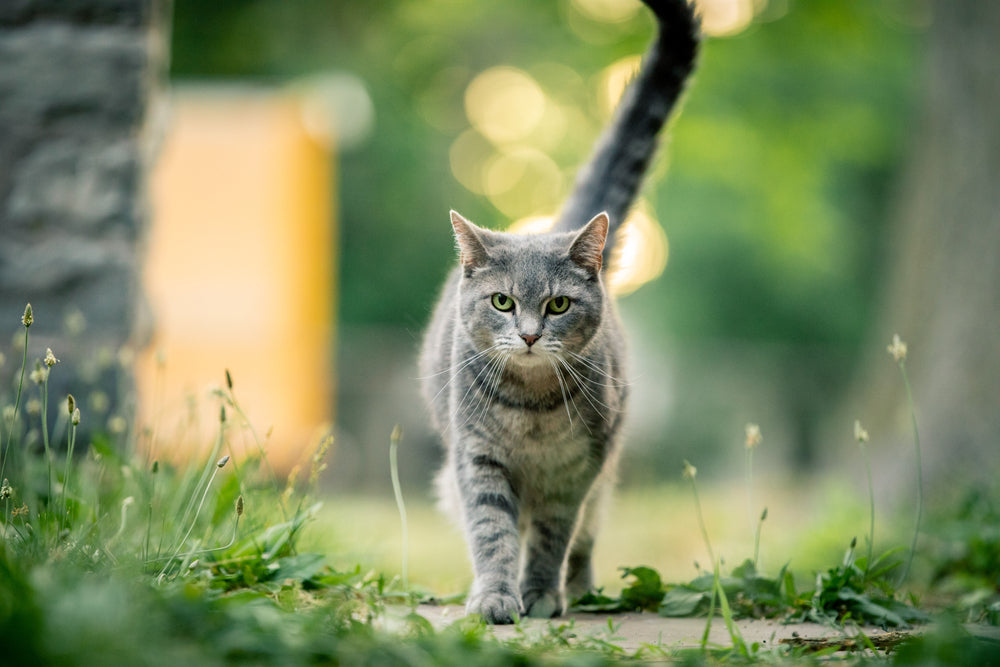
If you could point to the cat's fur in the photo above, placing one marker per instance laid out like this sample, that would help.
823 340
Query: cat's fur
522 364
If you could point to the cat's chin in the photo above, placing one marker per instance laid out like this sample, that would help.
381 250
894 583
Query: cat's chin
530 359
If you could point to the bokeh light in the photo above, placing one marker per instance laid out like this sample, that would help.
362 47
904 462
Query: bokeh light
505 104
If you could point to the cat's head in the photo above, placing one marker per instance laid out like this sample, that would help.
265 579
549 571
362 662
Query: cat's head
533 297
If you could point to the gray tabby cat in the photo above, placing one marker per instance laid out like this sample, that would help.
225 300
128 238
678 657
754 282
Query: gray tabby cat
522 363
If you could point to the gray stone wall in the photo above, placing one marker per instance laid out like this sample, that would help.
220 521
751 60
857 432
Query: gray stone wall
77 83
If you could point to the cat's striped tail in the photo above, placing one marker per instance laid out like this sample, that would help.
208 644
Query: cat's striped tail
613 175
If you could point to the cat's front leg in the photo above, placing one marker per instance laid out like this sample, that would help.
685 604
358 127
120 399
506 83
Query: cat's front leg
491 511
548 540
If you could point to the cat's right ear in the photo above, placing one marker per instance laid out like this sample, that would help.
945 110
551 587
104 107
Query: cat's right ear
471 251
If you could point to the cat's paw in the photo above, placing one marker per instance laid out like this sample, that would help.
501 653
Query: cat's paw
539 603
496 607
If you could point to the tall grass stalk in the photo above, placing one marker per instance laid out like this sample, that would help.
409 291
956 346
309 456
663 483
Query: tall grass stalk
920 471
208 472
394 439
194 521
752 439
45 436
26 320
897 348
231 396
756 538
690 472
74 420
727 616
861 435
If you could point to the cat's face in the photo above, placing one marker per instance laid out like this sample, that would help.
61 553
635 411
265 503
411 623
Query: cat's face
532 299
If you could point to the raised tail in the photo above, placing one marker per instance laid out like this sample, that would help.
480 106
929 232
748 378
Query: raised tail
612 177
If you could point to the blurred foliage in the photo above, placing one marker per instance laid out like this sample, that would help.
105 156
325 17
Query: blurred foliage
780 164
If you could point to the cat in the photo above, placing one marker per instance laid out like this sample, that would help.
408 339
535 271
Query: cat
522 363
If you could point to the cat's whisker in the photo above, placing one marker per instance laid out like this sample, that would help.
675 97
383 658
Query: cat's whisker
564 387
594 366
493 370
454 370
562 390
459 365
485 370
494 380
588 393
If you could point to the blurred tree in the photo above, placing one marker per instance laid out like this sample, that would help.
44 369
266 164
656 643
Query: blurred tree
941 290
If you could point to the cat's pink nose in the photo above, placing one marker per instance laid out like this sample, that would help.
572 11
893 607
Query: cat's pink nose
530 338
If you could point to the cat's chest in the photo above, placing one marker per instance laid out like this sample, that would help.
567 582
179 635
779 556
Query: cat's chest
543 445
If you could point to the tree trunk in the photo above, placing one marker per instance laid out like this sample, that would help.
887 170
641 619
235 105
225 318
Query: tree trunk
942 279
77 82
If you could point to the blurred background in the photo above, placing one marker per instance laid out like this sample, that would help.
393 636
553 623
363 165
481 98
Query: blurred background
829 181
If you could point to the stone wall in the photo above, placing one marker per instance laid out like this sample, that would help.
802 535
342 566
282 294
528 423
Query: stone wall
78 81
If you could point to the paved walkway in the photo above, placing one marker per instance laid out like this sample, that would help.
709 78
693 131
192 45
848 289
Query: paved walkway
634 630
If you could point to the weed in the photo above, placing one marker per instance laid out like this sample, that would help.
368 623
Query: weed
394 440
898 351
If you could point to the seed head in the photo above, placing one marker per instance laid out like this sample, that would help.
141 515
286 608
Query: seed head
690 472
763 515
6 491
397 434
753 437
239 505
33 407
28 318
229 380
897 348
39 375
860 434
222 462
156 466
70 404
50 359
222 414
75 418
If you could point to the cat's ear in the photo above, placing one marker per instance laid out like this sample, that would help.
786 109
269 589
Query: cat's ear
471 251
588 246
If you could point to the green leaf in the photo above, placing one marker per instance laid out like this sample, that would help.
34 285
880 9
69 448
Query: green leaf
646 591
684 601
298 568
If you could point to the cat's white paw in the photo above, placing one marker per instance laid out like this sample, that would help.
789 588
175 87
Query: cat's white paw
542 603
496 607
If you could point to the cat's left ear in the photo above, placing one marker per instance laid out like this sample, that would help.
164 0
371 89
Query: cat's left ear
471 251
588 246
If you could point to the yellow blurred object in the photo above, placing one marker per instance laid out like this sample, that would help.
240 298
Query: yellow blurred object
239 275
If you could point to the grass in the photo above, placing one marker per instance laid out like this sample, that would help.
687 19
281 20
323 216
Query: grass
108 557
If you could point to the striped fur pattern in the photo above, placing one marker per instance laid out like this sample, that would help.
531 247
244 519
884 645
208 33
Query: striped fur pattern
523 368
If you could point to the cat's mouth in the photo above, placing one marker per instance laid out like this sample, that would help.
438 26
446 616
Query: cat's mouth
530 356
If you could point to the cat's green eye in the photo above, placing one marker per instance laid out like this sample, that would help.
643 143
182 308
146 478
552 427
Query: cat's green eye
558 305
502 302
